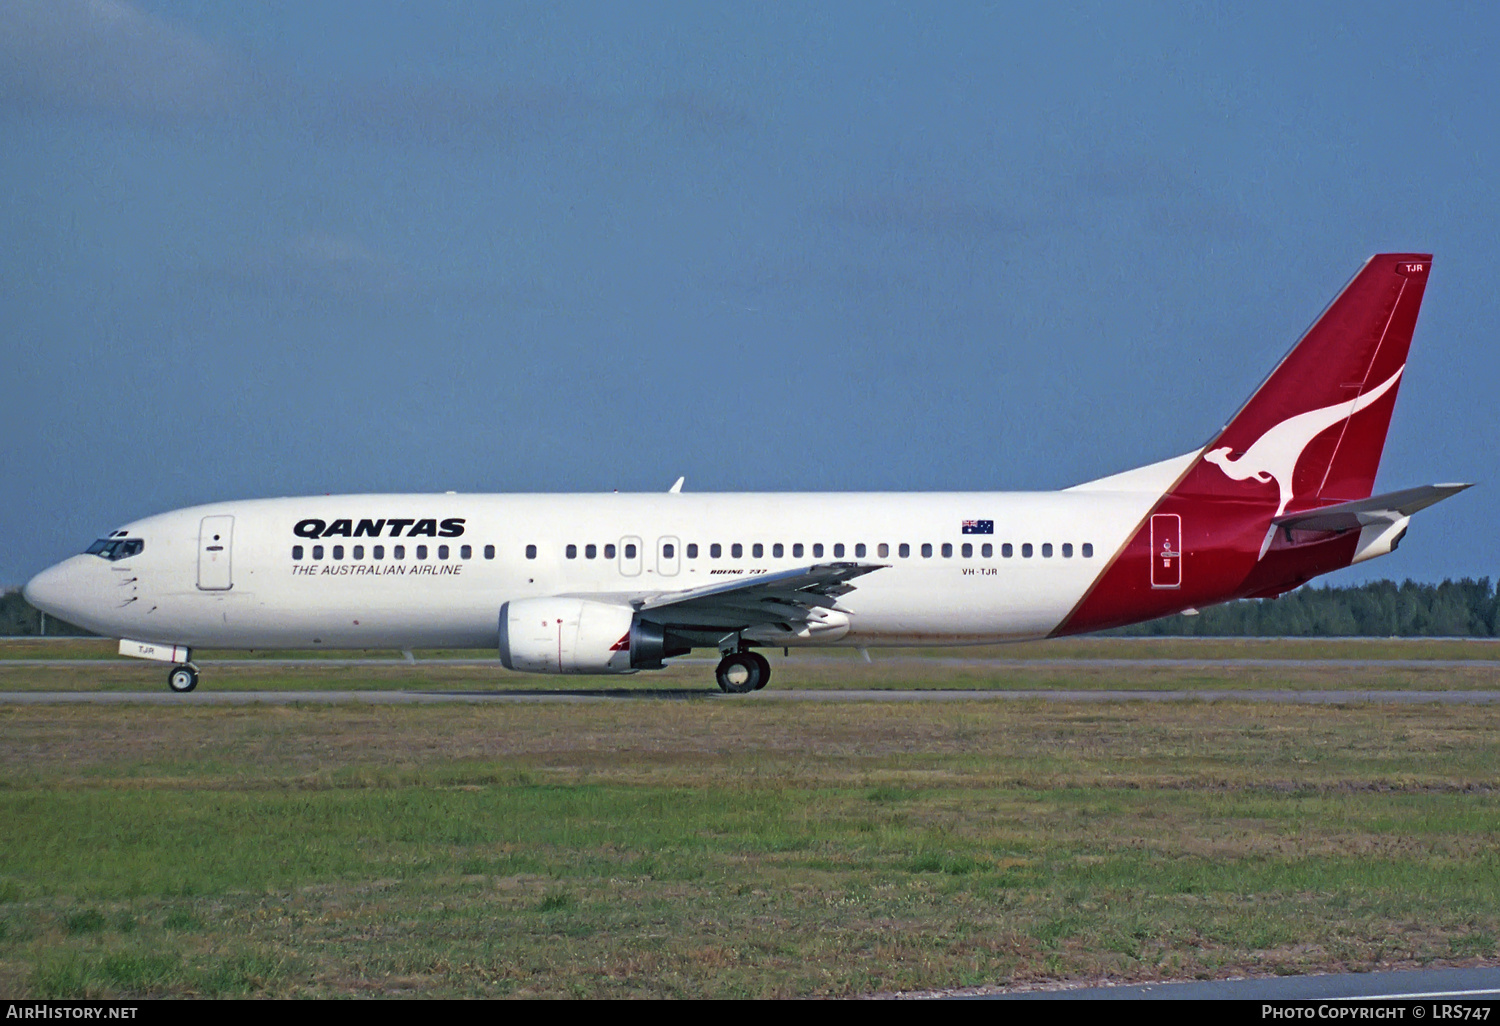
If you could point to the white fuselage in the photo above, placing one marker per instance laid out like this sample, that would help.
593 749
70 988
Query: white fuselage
618 583
265 585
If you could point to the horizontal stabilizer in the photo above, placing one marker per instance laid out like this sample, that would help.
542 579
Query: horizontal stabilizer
1376 509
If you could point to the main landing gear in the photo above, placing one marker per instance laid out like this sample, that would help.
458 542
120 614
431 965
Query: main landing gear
183 678
742 672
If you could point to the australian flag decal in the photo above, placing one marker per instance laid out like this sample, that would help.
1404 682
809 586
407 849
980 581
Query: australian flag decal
979 527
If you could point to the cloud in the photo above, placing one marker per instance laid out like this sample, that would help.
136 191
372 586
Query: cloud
431 113
1163 198
316 249
928 213
109 57
700 113
314 264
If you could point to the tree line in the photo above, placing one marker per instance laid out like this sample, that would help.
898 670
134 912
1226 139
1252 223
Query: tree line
1465 608
19 618
1380 609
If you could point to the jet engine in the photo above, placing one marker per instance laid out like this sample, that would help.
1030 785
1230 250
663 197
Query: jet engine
572 635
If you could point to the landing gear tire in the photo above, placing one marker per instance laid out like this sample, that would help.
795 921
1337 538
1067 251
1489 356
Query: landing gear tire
183 679
765 669
741 673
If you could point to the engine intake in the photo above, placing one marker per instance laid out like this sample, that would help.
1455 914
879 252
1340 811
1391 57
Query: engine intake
570 635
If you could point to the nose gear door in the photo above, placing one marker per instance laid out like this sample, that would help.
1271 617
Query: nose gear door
215 535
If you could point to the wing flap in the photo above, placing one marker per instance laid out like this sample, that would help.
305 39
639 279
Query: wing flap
817 580
803 595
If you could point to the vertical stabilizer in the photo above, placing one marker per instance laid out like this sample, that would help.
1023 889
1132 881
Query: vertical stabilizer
1316 428
1309 438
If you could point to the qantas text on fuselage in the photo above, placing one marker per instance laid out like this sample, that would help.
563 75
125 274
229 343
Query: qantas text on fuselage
363 527
621 583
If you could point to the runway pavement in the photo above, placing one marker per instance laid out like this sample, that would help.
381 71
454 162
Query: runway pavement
523 695
930 661
1474 987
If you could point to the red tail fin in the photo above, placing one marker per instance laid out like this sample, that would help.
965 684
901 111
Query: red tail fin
1317 426
1310 436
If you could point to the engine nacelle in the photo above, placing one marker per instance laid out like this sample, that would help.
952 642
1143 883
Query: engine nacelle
571 635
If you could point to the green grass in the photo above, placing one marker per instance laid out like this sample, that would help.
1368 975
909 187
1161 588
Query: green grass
1021 667
731 849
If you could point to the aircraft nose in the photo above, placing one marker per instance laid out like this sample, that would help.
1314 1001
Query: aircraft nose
58 590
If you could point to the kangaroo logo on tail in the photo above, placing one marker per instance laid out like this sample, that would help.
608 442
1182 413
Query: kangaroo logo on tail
1275 453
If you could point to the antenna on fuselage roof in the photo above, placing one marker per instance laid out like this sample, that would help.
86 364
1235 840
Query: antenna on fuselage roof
677 487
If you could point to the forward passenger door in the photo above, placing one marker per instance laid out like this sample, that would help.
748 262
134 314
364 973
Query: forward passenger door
215 546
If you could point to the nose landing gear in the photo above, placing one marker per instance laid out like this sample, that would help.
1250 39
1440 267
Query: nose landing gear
740 673
183 678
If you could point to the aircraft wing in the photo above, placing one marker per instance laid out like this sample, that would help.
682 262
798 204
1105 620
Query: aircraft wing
801 601
1377 509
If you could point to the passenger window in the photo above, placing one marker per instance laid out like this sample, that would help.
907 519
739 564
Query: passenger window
531 552
1088 550
692 550
1007 550
378 552
1067 550
818 550
398 552
758 550
715 550
609 550
571 552
590 551
797 550
317 552
338 552
630 551
736 550
947 550
777 550
988 551
838 550
421 551
927 550
968 550
359 552
668 550
442 552
296 551
1026 550
1046 550
466 552
489 552
904 551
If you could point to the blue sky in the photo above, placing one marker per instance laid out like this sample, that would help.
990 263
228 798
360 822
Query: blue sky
262 250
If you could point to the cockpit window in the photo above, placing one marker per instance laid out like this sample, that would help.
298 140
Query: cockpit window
116 548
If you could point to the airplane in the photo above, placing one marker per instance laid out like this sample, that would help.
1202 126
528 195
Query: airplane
617 583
